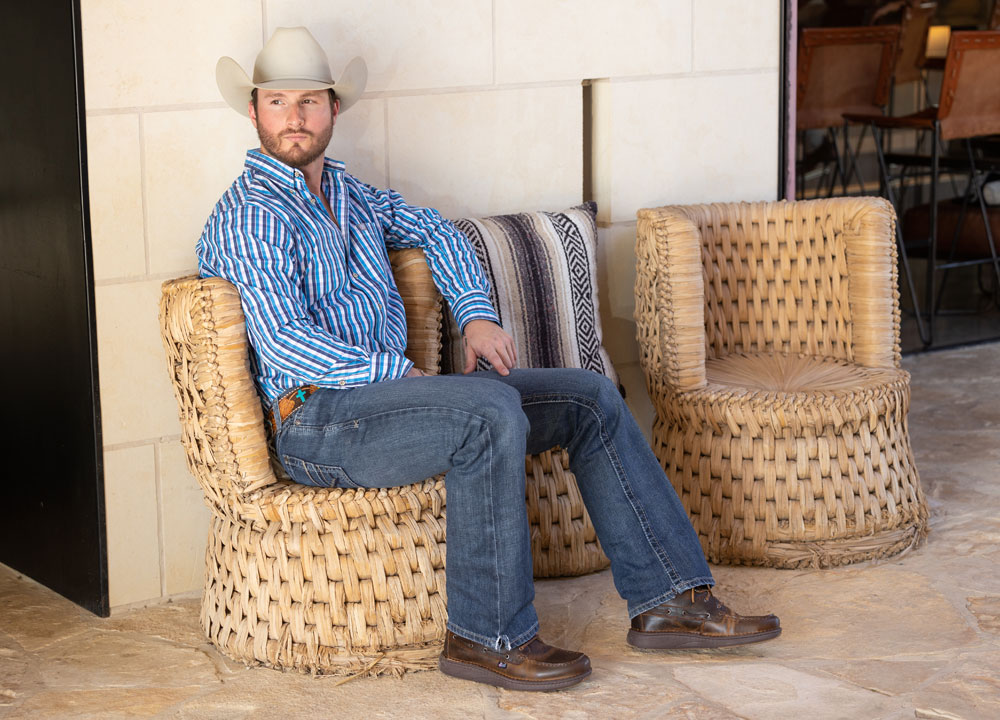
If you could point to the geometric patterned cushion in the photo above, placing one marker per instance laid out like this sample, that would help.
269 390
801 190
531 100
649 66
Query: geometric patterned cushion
542 272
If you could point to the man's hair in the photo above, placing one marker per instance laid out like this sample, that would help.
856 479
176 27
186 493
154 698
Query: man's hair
253 97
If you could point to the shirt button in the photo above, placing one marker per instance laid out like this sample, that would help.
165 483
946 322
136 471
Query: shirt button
354 275
342 382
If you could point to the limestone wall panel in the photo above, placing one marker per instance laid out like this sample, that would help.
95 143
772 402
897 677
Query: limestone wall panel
132 536
736 34
407 45
115 187
689 140
538 40
185 522
137 403
192 156
162 53
485 153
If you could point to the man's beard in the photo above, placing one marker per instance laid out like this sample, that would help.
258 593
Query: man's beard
297 156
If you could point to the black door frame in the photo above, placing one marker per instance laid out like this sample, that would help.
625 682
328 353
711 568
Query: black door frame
54 527
786 99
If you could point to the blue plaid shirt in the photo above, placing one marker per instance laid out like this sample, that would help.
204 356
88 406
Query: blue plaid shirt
321 303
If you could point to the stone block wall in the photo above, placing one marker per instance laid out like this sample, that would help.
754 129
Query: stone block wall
475 107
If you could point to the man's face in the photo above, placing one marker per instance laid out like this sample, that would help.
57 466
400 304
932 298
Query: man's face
294 126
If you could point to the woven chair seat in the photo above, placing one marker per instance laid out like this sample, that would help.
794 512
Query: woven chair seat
791 448
796 391
563 539
769 335
796 376
289 502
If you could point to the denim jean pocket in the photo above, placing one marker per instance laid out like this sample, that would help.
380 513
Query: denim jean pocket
307 473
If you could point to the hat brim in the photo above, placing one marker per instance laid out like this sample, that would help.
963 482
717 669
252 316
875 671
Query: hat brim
236 86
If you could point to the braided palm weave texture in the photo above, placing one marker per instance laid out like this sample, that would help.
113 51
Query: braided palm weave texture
769 339
348 582
563 540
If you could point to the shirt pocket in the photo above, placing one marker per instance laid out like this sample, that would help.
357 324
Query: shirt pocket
309 473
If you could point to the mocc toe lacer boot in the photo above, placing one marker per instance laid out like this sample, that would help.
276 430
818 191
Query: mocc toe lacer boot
697 619
532 666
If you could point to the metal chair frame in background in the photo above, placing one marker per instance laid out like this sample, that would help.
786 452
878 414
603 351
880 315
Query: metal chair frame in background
833 80
912 51
958 117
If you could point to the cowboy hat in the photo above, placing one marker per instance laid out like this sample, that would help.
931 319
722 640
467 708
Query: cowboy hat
291 60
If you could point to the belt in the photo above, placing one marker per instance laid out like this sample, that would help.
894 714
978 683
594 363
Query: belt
289 403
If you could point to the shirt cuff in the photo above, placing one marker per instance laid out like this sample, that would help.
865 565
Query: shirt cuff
473 305
387 366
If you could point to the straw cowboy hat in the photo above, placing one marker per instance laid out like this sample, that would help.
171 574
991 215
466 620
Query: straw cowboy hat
291 60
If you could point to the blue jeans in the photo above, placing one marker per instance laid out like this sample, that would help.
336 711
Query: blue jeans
478 428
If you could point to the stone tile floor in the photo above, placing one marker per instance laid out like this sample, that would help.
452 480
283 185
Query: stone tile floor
917 636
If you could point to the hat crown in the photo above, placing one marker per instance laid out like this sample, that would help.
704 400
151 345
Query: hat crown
292 53
291 60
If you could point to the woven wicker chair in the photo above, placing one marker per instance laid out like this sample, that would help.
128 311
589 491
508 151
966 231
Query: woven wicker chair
327 580
769 339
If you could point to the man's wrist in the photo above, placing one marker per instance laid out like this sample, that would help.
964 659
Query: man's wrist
473 321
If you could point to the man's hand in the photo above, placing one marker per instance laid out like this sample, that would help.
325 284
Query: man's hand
487 340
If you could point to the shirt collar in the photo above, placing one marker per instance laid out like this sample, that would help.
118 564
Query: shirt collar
276 170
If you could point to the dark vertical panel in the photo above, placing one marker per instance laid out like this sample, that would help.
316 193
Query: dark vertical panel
786 102
53 524
588 141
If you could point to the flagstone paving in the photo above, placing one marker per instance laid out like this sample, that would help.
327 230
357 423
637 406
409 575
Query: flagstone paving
916 636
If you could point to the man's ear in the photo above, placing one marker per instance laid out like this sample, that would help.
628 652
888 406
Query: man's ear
335 110
253 113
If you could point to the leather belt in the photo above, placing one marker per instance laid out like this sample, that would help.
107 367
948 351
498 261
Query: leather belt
289 403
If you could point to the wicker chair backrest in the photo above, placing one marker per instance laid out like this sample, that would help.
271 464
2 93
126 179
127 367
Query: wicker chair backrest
815 278
774 283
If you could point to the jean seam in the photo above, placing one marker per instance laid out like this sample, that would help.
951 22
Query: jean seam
287 459
493 517
490 641
398 411
593 407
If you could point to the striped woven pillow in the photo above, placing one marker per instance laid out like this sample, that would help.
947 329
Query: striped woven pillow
542 271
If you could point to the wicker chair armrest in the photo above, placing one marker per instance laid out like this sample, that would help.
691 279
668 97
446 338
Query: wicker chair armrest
423 305
222 422
670 299
873 282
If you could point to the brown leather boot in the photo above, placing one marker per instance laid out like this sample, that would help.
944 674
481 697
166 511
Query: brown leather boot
532 666
697 619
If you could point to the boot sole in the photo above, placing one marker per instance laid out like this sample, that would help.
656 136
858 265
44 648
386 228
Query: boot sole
477 673
677 640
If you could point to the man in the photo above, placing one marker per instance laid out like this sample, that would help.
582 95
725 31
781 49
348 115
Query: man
305 244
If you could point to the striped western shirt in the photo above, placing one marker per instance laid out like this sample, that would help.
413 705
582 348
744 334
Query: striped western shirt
319 297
